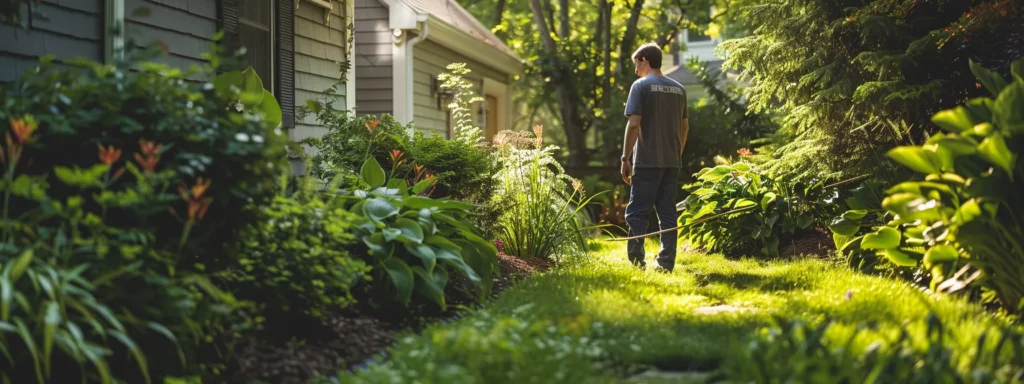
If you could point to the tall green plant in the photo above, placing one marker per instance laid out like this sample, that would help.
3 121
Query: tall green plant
542 205
968 208
414 242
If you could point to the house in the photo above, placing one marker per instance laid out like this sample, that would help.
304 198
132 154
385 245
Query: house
298 47
401 47
699 46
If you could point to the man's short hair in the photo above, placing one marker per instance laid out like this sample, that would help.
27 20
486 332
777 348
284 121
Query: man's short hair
651 53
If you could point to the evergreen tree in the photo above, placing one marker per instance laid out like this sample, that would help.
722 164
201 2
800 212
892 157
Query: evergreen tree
853 78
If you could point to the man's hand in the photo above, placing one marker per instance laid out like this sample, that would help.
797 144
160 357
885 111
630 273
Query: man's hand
627 173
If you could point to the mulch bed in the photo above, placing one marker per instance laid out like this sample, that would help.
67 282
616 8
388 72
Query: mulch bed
345 339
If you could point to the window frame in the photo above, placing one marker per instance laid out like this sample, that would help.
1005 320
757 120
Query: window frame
271 28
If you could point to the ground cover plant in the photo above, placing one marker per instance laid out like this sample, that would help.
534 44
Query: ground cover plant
603 321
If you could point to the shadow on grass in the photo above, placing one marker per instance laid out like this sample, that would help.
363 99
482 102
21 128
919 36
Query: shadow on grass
753 281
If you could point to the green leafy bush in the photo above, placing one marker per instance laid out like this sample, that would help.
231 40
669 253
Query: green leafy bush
968 207
414 242
542 207
192 128
294 260
125 247
80 290
758 211
795 351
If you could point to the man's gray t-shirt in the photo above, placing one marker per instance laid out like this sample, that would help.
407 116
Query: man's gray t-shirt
661 104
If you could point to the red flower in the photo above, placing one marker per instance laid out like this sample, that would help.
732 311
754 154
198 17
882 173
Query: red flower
108 155
371 125
745 152
195 195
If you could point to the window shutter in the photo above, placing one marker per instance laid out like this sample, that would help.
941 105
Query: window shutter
285 65
229 24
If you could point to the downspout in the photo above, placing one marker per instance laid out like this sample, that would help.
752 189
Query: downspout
410 95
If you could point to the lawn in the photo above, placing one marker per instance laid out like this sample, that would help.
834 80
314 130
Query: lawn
602 320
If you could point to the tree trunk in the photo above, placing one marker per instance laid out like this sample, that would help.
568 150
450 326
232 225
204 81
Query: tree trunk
500 13
629 38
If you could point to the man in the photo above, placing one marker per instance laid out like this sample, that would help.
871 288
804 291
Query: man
651 153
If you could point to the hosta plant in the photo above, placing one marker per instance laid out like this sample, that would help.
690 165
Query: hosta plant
415 243
733 207
967 207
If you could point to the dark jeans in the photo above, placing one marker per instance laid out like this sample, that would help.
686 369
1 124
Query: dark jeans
653 187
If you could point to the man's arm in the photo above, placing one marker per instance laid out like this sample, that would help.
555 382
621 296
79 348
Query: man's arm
631 136
685 128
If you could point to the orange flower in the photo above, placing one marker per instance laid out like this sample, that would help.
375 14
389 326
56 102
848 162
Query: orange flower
23 128
745 152
150 155
371 125
194 196
149 148
396 154
108 155
539 131
577 185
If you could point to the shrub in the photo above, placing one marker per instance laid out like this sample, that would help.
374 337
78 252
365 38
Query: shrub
758 211
795 351
415 242
967 209
348 141
136 232
193 130
542 206
81 290
294 260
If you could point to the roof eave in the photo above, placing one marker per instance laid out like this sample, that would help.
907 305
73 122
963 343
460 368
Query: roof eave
471 47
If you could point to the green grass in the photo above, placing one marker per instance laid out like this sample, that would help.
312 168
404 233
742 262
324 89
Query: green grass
602 320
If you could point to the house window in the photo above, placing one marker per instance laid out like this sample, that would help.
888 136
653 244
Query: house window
256 34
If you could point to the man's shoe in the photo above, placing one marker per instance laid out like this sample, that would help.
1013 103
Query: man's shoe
661 269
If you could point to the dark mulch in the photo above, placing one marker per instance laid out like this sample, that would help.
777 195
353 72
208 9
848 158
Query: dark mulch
345 339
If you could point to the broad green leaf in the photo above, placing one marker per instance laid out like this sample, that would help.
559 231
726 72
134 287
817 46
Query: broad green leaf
940 254
427 286
768 198
425 253
1009 108
225 81
252 88
743 203
376 244
411 230
423 185
704 192
470 260
741 167
990 79
705 210
969 211
401 277
844 227
1017 69
270 109
855 214
377 209
884 238
75 176
372 173
390 234
994 150
899 258
957 119
443 243
916 158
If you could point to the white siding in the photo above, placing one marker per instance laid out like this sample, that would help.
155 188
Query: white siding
319 54
374 78
431 59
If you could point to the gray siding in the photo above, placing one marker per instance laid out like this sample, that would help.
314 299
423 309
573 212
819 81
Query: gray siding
186 26
74 29
374 81
431 59
319 53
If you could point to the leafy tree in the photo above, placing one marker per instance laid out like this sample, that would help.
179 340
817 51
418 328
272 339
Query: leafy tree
854 78
578 54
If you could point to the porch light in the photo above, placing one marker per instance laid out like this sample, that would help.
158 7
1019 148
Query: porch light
397 32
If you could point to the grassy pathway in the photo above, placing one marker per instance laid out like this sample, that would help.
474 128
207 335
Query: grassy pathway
601 320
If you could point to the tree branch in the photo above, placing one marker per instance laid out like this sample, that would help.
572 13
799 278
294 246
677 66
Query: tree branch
500 13
542 27
629 38
563 14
